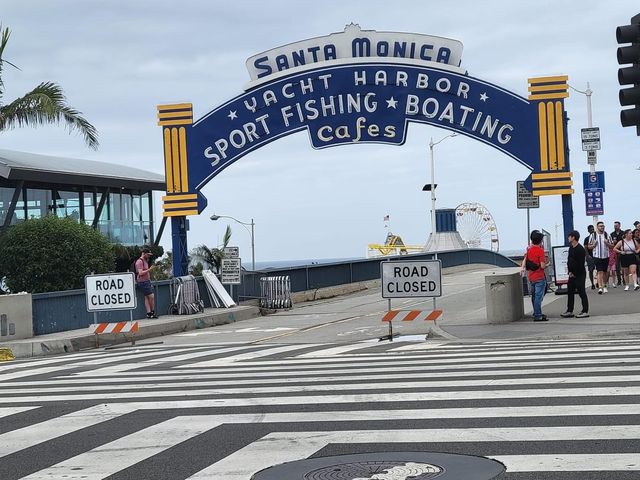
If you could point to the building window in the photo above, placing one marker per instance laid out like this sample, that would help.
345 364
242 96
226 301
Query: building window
39 203
6 195
68 204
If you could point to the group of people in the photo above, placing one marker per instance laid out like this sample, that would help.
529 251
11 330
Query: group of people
614 256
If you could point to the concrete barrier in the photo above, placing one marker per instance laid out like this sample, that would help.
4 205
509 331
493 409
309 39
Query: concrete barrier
16 318
503 293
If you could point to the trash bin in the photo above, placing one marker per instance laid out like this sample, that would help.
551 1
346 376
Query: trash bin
503 293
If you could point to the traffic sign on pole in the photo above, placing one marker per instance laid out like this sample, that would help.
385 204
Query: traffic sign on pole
524 198
590 138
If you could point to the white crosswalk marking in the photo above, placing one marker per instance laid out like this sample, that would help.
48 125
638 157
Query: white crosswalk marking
115 456
576 400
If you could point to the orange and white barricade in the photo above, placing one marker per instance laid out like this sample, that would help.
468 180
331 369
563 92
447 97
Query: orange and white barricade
117 327
408 316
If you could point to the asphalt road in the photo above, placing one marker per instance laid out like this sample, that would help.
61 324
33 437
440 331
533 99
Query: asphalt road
226 402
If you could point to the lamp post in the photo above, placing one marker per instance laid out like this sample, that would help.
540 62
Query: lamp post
433 186
215 217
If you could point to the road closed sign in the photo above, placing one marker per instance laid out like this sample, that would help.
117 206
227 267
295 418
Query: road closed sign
110 291
411 279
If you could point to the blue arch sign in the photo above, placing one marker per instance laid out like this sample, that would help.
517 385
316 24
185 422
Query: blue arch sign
352 98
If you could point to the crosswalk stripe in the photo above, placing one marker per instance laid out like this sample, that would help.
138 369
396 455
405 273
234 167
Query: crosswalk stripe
623 462
437 359
7 411
17 440
339 350
25 372
398 365
250 355
126 365
341 398
117 381
395 381
117 455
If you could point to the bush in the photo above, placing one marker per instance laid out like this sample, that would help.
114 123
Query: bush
51 253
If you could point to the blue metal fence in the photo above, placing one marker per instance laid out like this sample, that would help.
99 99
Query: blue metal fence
62 311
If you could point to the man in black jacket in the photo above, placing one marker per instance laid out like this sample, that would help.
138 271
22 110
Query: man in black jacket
577 276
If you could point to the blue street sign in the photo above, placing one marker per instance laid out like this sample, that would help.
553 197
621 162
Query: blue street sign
592 180
594 201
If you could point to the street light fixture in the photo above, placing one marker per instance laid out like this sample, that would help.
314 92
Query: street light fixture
432 187
215 217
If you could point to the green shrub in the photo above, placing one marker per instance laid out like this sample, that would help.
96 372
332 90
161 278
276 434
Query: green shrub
50 254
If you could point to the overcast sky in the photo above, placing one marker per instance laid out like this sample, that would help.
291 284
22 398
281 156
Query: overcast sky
117 60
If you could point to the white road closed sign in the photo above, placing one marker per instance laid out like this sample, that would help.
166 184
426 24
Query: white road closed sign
110 291
411 279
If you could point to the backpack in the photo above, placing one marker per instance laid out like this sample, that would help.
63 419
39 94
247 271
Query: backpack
134 270
531 266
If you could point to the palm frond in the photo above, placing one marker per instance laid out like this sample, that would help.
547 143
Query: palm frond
4 39
226 237
43 105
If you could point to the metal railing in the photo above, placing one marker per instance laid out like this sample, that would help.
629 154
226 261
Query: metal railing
61 311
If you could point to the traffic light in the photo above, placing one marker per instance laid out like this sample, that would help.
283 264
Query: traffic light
630 75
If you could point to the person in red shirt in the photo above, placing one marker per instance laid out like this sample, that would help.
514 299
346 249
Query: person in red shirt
534 263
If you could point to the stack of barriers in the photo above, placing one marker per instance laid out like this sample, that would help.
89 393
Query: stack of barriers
185 296
275 292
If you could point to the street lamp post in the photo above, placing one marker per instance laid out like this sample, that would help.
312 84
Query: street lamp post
215 217
592 165
433 186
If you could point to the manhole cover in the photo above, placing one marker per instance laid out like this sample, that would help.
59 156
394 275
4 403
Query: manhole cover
386 466
366 470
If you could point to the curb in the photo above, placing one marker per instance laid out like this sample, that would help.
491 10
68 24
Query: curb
82 341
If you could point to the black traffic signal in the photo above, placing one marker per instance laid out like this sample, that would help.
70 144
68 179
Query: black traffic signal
630 75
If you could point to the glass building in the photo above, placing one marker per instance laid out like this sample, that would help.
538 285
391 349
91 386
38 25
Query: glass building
115 199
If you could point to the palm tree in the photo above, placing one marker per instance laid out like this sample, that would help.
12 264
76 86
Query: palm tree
45 104
212 257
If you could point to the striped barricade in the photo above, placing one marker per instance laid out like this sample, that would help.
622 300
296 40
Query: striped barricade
118 327
408 316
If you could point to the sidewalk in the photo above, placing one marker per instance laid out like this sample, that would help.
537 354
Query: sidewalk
616 313
75 340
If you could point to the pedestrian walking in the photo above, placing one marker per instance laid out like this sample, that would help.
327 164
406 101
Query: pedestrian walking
627 249
599 245
591 265
534 263
577 276
616 236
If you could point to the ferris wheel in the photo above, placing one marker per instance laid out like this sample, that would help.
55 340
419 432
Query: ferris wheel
477 227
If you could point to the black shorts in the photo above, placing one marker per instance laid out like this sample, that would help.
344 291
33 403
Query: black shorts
627 260
602 264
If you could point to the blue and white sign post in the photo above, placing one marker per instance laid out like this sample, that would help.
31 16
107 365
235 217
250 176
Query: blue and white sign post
359 87
593 186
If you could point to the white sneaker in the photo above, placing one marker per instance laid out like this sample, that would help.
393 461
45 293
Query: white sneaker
605 290
626 289
600 291
636 286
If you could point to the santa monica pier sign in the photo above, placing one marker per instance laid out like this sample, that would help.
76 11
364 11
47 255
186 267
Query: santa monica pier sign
362 86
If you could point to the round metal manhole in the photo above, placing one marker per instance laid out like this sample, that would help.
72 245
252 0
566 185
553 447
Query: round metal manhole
366 470
386 466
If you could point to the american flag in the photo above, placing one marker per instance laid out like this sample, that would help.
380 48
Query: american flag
386 218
